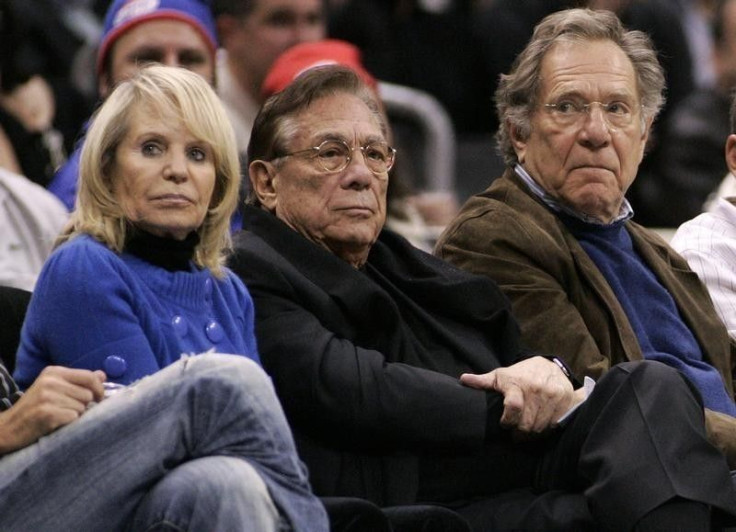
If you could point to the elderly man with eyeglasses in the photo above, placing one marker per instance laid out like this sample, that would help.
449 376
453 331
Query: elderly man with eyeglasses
587 283
403 377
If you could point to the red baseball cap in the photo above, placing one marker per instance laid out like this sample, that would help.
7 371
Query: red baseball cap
304 56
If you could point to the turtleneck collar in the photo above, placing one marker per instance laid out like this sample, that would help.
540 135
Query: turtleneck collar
168 253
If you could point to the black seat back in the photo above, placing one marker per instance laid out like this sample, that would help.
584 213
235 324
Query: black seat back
13 306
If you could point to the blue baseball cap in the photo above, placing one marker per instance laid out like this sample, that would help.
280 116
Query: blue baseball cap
122 15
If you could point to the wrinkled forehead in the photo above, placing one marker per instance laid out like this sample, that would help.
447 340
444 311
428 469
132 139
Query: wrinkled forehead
590 68
340 116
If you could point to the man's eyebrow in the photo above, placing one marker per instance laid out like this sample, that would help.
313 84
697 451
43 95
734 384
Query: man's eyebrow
191 55
621 95
567 93
328 135
374 138
145 51
192 51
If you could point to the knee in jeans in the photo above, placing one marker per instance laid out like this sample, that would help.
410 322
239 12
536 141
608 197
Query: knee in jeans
231 477
196 491
229 371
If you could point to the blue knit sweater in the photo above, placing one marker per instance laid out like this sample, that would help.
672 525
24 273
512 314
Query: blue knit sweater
652 312
95 309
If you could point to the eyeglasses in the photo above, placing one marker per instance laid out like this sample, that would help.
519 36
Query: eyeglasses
335 155
567 113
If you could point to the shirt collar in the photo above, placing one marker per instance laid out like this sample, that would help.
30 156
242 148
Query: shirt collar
624 214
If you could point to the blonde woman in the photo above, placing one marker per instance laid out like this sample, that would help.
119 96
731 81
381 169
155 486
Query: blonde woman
137 279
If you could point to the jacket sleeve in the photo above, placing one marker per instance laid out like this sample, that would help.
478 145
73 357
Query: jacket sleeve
336 390
537 274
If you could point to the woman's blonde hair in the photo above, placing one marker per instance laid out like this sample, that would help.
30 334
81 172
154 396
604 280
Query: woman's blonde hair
164 90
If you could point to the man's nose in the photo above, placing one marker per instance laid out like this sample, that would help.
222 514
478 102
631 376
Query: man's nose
357 173
595 128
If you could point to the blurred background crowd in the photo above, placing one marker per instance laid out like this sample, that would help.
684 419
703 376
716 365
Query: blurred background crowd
451 52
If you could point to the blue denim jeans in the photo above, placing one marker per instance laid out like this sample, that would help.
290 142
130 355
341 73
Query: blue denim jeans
201 445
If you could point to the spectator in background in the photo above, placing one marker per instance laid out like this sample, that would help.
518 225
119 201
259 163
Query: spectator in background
35 132
586 282
31 219
505 27
690 162
708 242
697 20
40 111
253 33
136 32
427 45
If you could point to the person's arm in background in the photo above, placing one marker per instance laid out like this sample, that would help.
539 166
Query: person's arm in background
710 252
58 397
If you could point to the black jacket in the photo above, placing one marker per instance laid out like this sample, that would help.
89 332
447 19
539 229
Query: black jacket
366 362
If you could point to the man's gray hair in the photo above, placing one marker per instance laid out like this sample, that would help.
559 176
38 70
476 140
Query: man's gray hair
518 92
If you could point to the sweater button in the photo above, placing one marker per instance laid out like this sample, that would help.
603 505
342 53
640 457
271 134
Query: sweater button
214 331
208 289
179 324
114 366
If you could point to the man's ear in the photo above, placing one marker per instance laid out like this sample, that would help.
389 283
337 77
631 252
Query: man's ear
731 153
262 180
517 142
645 136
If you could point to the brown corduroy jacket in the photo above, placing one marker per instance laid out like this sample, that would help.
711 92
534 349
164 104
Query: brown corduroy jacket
562 301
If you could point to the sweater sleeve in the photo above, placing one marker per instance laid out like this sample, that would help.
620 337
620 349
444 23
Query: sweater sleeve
83 312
